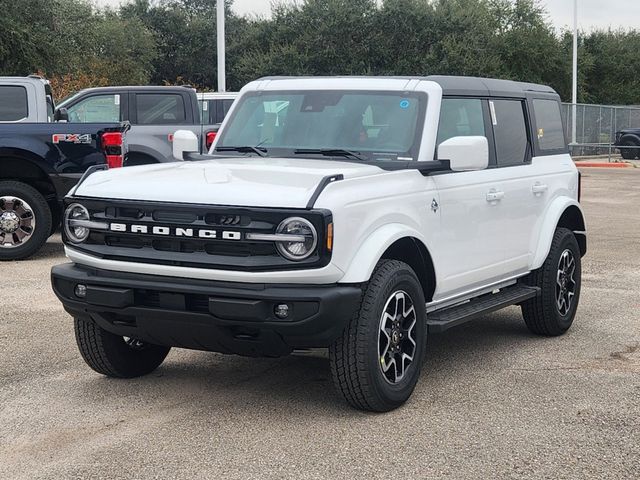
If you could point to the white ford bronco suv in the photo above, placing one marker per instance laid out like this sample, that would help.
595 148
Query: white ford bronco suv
355 214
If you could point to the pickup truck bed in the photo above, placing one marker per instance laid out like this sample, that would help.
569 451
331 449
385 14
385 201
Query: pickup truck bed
39 164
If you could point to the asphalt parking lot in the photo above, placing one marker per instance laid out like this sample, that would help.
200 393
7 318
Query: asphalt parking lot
493 401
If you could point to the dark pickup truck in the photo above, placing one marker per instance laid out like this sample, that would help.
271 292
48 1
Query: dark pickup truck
628 142
41 160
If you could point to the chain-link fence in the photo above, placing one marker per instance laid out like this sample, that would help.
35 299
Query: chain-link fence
596 127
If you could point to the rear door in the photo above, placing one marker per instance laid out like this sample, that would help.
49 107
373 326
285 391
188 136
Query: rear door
155 117
553 169
514 147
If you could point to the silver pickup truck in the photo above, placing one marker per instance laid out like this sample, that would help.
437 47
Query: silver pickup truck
26 99
154 112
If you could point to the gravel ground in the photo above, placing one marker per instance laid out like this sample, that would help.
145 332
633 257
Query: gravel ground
493 400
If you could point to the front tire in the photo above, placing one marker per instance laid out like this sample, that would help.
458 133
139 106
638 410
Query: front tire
116 356
376 362
552 312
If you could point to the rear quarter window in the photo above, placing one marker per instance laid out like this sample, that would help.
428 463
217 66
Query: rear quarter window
549 129
13 103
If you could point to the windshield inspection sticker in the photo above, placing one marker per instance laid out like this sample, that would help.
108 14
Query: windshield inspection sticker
404 104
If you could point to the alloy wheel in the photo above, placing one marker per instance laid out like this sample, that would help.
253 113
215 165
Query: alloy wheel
396 336
17 222
565 282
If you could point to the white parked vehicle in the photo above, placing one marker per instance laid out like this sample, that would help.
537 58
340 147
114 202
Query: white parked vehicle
214 106
358 214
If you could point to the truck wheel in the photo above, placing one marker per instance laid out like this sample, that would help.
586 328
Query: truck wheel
376 361
629 153
116 356
25 220
551 313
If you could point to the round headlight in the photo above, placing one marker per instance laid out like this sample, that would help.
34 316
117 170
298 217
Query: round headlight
76 233
301 227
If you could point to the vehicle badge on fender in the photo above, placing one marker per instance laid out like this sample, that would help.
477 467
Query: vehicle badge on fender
71 138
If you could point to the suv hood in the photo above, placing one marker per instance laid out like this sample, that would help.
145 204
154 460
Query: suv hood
238 181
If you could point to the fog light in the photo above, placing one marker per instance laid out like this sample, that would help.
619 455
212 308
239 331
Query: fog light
80 290
281 311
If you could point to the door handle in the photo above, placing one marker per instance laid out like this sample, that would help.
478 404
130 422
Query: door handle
494 196
539 188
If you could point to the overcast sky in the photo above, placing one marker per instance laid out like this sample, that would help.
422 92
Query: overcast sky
591 13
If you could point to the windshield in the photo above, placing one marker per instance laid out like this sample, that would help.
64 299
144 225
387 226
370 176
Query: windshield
374 125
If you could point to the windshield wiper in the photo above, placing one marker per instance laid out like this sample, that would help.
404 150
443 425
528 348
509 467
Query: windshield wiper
330 152
244 149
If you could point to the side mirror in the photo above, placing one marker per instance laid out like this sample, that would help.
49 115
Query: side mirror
61 115
465 153
184 141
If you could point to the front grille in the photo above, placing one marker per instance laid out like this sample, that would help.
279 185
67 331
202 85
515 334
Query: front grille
196 235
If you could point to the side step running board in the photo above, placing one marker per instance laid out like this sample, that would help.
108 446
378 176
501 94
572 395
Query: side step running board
442 320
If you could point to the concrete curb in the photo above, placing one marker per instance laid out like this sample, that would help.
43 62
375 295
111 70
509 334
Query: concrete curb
603 164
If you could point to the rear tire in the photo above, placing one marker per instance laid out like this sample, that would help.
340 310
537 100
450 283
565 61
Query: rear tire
135 160
25 220
113 355
629 153
368 362
552 312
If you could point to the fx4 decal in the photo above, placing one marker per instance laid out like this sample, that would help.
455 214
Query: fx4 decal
71 137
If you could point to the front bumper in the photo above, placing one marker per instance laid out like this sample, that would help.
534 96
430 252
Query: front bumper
207 315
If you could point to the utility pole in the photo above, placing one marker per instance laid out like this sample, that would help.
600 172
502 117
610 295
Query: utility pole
222 82
574 93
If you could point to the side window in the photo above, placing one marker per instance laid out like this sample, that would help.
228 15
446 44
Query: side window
13 103
510 131
207 112
223 109
203 106
550 132
160 109
460 117
97 108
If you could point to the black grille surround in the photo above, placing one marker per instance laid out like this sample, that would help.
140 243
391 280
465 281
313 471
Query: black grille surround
192 251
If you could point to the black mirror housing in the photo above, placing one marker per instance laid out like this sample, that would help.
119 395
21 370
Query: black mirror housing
61 115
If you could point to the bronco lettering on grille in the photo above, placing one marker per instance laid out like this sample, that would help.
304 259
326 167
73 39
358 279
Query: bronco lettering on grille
175 231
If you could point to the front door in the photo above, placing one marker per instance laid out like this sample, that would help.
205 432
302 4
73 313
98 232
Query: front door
471 246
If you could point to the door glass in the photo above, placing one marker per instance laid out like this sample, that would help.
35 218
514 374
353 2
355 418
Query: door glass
13 103
203 106
510 132
550 132
97 108
160 109
460 117
223 109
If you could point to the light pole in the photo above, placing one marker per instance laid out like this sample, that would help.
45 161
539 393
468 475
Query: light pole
574 93
222 84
